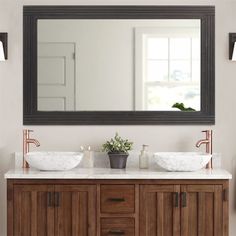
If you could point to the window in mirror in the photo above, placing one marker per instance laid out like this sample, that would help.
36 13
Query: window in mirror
168 67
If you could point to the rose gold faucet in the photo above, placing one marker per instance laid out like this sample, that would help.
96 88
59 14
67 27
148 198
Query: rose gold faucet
26 142
208 142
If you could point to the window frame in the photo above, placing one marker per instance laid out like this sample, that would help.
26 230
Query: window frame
142 35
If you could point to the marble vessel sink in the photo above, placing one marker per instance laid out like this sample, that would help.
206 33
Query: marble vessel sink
182 161
54 160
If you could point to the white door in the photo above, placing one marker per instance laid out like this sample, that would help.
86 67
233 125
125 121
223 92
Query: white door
56 76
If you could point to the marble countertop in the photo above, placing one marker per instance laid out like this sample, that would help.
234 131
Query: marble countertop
107 173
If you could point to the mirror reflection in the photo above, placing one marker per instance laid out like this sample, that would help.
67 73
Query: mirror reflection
119 65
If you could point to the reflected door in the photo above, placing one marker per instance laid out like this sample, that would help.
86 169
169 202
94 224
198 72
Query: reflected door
56 76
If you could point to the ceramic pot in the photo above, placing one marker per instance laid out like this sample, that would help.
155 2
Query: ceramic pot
118 160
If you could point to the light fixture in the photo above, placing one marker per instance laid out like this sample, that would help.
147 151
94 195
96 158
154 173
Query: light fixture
232 46
3 46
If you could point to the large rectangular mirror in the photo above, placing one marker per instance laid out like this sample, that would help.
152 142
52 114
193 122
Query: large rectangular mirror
118 65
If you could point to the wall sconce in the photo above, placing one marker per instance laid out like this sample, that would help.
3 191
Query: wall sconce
3 46
232 46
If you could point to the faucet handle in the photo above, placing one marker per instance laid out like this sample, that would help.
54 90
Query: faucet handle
207 131
28 130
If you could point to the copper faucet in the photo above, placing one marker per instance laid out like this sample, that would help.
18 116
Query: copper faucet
26 142
208 142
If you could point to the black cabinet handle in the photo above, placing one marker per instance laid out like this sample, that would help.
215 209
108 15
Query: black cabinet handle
116 232
225 195
57 199
183 199
49 199
176 199
116 199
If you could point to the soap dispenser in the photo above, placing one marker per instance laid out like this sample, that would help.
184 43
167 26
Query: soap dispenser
144 158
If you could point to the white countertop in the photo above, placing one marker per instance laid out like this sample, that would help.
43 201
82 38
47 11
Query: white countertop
107 173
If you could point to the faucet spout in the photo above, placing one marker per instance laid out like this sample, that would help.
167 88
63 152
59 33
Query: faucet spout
202 141
26 142
34 141
208 142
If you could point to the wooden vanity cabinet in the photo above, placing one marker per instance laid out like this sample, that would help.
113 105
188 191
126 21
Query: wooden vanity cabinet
48 210
117 198
186 210
32 213
159 210
203 210
117 207
75 210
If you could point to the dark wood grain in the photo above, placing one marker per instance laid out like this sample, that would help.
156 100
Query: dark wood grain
226 210
117 226
203 214
10 208
76 212
155 211
117 198
31 116
32 216
120 181
158 214
136 215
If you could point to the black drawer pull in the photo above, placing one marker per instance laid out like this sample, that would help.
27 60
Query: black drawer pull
116 199
184 199
116 232
176 199
49 199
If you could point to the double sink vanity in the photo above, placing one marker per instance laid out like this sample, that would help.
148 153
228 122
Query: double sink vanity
101 201
51 193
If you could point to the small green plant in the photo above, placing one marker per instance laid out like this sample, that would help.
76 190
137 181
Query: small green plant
117 145
182 107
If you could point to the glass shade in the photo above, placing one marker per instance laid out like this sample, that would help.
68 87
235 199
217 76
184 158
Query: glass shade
234 52
2 54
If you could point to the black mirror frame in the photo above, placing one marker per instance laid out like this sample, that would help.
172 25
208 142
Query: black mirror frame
31 116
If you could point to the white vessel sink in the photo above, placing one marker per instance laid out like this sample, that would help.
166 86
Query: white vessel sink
182 161
54 160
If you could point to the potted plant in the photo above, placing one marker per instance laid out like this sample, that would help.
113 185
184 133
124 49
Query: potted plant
117 150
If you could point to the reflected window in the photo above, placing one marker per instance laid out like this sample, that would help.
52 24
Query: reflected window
169 68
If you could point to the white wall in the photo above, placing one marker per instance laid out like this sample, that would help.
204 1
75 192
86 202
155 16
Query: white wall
158 137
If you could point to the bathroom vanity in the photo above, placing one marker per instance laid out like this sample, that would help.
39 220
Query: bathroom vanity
102 202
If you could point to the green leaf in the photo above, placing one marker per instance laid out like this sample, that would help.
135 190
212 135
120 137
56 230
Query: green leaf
182 107
117 144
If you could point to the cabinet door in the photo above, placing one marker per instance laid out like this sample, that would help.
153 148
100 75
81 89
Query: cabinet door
75 210
159 210
202 210
33 210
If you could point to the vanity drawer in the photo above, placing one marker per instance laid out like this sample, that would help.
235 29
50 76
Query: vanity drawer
117 226
117 198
